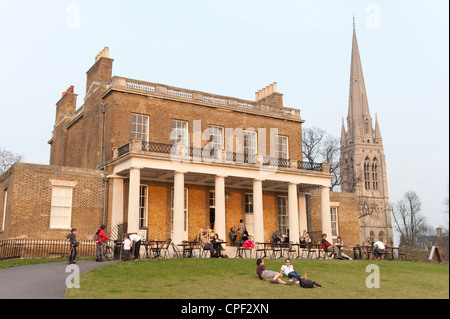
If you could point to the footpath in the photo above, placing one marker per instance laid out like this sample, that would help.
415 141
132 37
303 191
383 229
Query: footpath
41 281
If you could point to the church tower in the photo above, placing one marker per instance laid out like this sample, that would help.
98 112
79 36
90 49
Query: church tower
362 162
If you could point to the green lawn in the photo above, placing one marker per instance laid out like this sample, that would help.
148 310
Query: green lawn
236 279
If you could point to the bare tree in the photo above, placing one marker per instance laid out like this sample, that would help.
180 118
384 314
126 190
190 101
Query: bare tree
319 146
311 140
409 221
7 159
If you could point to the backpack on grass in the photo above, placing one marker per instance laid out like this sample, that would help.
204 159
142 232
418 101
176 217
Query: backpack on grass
306 283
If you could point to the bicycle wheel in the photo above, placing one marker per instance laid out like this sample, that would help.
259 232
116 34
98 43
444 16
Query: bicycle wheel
109 253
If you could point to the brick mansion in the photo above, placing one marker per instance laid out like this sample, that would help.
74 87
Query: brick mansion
166 162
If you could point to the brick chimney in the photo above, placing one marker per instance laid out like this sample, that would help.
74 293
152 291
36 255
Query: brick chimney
67 104
101 71
269 96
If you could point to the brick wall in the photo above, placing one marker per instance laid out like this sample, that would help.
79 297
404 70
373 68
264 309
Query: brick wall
348 223
29 201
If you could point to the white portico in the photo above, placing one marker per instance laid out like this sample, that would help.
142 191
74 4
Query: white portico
257 178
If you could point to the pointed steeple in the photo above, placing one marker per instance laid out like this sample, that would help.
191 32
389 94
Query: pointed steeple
377 135
358 118
343 135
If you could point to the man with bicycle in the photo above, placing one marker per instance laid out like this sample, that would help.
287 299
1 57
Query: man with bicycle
72 238
101 237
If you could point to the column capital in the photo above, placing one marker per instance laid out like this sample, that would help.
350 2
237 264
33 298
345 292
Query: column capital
221 175
179 172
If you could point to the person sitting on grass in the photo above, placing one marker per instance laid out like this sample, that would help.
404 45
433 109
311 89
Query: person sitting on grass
288 271
269 275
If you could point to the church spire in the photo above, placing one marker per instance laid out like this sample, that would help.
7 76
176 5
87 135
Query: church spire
358 119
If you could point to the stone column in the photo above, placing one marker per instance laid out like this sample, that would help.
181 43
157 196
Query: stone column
178 208
258 217
117 202
219 223
293 213
326 215
133 200
303 218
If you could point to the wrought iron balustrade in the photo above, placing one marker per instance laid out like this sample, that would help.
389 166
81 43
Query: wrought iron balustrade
199 154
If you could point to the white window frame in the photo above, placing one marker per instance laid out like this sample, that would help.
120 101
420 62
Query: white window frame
179 128
5 199
282 146
334 221
140 127
66 206
248 211
143 206
218 139
250 143
283 214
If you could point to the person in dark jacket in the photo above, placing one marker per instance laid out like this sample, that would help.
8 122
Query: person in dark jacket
72 238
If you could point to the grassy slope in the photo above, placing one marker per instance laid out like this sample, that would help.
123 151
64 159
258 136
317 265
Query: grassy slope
231 278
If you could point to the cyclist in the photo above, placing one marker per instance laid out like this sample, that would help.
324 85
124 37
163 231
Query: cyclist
101 242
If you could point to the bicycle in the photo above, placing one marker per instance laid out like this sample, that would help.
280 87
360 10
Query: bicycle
107 252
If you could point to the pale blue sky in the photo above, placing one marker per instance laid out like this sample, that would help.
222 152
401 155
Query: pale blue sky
235 48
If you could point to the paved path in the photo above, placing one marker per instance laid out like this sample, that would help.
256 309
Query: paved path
41 281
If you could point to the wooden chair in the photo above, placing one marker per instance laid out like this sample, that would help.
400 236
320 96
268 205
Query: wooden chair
289 250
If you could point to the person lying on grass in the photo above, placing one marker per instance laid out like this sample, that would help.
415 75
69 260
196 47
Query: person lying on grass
288 270
269 275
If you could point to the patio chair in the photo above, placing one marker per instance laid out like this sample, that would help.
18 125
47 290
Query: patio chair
176 252
289 250
164 251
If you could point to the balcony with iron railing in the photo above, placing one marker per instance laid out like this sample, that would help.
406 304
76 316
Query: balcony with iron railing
205 155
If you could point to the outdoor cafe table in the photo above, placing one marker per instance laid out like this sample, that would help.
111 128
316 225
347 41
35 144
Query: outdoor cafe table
265 248
157 248
319 248
188 247
391 252
299 245
148 248
366 249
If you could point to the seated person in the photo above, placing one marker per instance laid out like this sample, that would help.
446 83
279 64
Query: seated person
305 239
328 247
206 243
377 247
276 237
269 275
232 235
217 247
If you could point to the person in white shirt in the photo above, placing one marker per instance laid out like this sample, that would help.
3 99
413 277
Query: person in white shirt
288 271
126 248
377 247
136 240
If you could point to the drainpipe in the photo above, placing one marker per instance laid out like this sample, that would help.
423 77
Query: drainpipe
102 166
